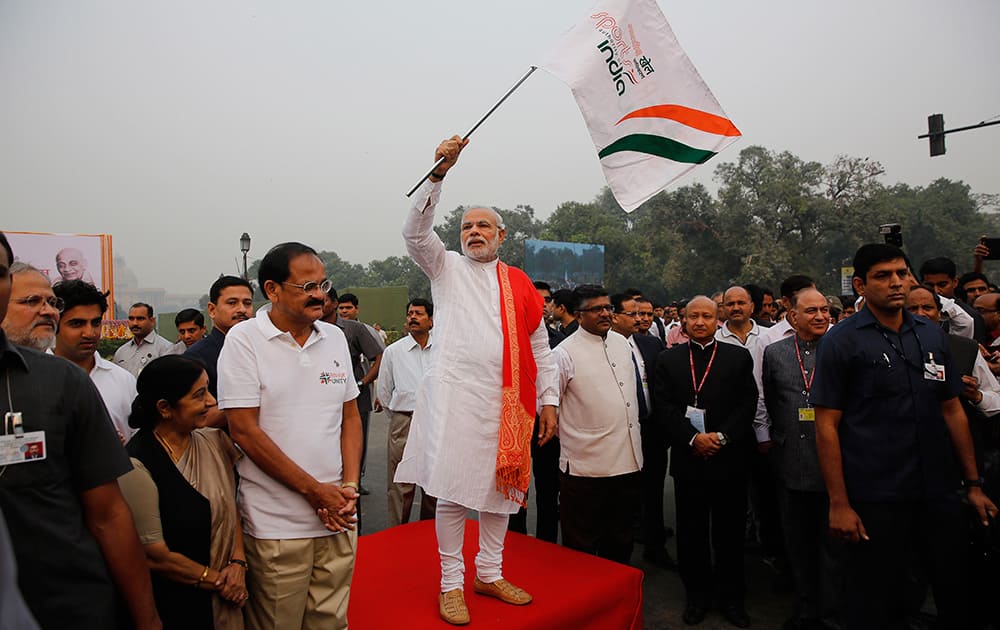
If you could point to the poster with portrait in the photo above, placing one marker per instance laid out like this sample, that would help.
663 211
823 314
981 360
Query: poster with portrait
62 257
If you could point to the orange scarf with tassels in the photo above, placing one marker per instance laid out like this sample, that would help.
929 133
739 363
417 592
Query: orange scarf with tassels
520 314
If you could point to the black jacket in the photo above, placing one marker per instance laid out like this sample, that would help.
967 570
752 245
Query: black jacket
729 398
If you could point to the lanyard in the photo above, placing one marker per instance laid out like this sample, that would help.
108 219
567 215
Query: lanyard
899 351
704 377
808 382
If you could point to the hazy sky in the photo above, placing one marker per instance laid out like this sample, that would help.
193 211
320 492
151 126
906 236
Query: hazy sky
176 126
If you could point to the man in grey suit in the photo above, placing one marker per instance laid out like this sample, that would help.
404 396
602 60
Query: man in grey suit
787 376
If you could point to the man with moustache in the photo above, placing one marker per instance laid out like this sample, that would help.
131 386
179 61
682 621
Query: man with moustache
145 344
742 330
286 386
33 313
402 370
706 397
739 328
230 301
644 350
73 535
894 449
600 452
768 307
787 374
469 442
80 326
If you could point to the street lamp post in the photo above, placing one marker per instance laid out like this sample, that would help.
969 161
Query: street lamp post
245 247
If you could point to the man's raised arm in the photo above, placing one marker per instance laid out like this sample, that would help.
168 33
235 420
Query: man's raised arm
422 242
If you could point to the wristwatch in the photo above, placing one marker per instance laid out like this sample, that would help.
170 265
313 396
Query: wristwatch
361 383
722 438
973 483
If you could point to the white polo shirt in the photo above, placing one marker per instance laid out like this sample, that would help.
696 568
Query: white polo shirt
300 392
117 387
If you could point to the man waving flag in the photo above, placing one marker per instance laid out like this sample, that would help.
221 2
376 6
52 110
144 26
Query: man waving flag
651 116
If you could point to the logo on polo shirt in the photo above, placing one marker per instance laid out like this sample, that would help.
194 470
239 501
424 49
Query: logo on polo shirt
333 378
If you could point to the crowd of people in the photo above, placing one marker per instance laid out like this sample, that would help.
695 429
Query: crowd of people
215 482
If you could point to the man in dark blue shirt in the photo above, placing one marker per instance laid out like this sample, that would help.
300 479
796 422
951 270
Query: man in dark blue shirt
230 301
72 532
894 447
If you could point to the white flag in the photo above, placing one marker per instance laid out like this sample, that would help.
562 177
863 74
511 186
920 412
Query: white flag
651 116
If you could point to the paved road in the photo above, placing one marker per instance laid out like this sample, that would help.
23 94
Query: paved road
663 594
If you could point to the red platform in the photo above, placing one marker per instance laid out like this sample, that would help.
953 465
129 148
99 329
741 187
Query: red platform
397 577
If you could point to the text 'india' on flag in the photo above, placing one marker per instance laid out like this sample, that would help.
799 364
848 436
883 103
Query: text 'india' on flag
651 116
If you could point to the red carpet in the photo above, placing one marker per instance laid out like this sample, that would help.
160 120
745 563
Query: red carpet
397 579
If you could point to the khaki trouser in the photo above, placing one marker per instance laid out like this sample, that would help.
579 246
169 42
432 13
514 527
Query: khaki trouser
400 495
299 582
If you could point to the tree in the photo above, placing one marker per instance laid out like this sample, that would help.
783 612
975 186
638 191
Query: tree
400 271
775 214
682 232
939 220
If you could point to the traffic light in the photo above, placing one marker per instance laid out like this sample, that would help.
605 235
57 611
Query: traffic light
935 129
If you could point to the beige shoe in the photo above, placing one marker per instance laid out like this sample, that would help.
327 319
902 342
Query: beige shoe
502 590
451 605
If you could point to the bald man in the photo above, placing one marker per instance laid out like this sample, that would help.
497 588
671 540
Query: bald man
988 305
72 265
705 396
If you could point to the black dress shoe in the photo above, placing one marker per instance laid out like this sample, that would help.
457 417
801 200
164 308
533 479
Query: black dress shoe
659 556
694 612
736 614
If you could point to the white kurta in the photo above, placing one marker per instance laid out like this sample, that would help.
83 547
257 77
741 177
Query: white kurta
452 447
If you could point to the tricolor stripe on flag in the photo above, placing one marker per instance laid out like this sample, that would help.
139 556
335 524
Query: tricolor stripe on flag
651 116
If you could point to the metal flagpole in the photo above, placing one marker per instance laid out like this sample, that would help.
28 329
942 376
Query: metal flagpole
476 126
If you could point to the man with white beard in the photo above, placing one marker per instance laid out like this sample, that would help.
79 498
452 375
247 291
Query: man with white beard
34 309
469 442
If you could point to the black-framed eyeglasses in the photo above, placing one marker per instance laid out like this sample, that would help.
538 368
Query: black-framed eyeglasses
600 308
35 301
983 311
311 286
632 314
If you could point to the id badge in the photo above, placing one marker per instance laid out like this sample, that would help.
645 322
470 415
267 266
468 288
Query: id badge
697 418
933 372
17 449
807 414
